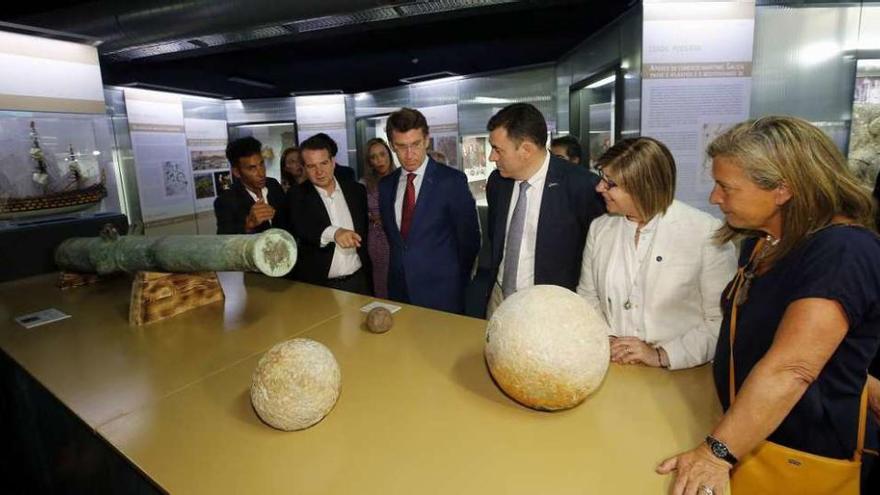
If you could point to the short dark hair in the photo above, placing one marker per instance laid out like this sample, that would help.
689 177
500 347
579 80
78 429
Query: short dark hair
521 121
405 120
241 148
320 141
571 145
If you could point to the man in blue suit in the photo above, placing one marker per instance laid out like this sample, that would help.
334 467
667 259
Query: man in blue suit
430 219
540 207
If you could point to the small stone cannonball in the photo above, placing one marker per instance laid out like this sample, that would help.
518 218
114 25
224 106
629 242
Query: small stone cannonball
379 320
296 384
547 348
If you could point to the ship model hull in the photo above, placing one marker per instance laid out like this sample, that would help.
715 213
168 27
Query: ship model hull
53 203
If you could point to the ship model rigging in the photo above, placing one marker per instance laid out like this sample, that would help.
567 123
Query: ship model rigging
66 194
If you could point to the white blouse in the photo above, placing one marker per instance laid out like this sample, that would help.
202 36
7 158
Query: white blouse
626 279
673 280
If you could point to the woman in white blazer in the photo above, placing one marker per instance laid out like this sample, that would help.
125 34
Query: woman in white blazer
651 265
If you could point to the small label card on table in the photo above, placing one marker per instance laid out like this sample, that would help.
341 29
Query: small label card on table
376 304
32 320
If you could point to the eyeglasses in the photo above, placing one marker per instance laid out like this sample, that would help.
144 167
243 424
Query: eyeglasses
610 184
406 148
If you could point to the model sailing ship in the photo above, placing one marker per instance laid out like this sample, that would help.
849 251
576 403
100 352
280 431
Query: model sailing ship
67 194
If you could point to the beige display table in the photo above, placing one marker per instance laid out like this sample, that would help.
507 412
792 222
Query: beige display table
418 412
101 368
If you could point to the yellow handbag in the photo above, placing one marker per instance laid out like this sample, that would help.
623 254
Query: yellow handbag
775 469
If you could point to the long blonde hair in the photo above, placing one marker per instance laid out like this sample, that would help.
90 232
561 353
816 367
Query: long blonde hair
370 177
777 150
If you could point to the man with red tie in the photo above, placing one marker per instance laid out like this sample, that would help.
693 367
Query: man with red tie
430 219
255 202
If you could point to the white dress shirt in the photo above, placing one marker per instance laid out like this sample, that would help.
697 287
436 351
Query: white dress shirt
401 188
345 260
525 271
265 193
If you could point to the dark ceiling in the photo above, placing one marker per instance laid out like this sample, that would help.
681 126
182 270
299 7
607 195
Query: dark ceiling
310 46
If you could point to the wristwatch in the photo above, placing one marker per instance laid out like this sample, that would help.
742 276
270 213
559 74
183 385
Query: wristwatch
720 450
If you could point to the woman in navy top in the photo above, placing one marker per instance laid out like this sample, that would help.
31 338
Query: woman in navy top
808 316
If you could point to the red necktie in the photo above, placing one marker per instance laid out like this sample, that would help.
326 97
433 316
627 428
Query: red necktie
409 205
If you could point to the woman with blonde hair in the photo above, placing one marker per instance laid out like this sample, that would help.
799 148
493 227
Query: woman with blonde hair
379 163
801 318
292 172
651 265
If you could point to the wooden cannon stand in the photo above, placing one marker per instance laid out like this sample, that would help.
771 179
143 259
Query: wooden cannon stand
158 295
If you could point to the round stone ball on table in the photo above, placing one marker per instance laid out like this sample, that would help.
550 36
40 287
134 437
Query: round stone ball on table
547 348
296 383
379 320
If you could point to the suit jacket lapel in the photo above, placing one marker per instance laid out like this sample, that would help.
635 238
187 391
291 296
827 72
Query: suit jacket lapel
394 180
355 209
426 191
317 204
246 198
549 208
664 235
505 193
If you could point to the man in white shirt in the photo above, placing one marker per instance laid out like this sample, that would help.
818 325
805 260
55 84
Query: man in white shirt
329 221
540 207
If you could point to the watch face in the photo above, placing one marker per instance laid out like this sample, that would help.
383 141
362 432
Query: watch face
719 449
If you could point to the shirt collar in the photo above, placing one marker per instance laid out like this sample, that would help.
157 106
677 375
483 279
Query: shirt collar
648 228
538 177
253 196
418 171
323 192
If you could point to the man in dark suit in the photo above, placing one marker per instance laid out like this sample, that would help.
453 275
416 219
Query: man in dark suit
540 207
341 171
255 202
329 221
568 148
430 219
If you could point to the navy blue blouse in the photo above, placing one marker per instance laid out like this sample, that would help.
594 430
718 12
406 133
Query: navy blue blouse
839 263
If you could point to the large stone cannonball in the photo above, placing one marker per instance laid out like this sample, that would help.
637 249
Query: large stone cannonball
296 384
547 348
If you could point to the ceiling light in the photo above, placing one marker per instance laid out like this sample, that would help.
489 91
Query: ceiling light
432 78
251 82
491 100
602 82
817 53
318 92
189 93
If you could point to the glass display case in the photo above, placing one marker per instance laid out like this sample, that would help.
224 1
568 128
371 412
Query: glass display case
475 150
864 141
596 114
55 165
275 136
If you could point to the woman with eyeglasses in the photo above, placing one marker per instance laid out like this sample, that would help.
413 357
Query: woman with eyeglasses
801 318
651 264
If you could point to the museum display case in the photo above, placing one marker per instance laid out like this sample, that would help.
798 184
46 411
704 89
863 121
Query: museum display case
55 165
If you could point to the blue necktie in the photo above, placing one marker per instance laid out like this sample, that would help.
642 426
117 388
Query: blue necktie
514 241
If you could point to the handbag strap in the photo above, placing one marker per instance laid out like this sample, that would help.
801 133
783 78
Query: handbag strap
738 282
735 288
